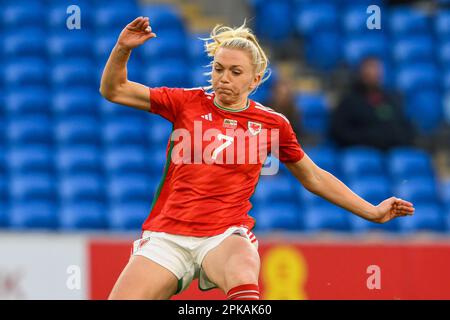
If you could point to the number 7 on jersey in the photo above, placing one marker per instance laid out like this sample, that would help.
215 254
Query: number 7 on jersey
228 142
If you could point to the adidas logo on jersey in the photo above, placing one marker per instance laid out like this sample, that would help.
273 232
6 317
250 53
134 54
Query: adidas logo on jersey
207 117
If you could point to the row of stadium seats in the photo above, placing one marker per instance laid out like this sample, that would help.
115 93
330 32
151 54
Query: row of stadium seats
423 107
125 182
98 15
65 45
285 217
23 132
427 217
306 18
35 143
82 73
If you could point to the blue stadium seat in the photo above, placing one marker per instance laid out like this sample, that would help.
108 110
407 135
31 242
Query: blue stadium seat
325 218
32 100
32 186
30 158
79 159
442 23
25 130
414 50
445 193
73 73
280 13
128 216
103 3
82 215
167 46
324 50
170 73
447 218
3 183
417 76
3 214
315 17
75 102
284 216
407 20
126 160
70 45
199 79
427 217
157 158
196 47
113 19
159 130
354 17
78 130
56 18
118 133
103 45
26 42
314 110
362 226
113 111
163 17
357 162
424 108
33 214
2 154
356 48
405 163
372 189
81 187
309 199
324 157
25 72
446 82
14 14
417 190
130 188
4 198
273 189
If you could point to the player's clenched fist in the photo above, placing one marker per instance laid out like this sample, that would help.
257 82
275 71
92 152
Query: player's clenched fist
135 33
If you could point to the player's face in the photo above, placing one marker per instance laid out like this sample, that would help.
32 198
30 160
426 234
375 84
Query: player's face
233 75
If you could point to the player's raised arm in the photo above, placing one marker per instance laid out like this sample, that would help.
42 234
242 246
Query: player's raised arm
115 85
327 186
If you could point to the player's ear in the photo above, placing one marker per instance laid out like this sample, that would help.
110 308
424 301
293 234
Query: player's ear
255 82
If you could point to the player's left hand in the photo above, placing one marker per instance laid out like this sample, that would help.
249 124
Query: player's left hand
392 208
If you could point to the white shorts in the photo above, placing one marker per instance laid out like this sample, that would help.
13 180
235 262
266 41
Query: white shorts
183 255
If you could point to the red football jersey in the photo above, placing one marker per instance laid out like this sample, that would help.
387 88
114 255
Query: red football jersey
214 159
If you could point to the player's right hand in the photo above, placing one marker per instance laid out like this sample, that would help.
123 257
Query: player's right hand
136 33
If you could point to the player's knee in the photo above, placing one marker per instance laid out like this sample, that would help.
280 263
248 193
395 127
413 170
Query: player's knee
241 269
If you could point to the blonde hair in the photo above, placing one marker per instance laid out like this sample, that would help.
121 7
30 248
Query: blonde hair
237 38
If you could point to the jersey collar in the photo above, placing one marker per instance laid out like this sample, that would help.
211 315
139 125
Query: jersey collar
230 109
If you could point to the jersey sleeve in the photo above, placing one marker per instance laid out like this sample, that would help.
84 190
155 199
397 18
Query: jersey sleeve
289 148
166 102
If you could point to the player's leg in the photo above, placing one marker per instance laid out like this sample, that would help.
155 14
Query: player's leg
234 267
144 279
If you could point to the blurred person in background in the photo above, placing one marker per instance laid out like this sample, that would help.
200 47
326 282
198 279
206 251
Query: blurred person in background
199 225
369 115
282 99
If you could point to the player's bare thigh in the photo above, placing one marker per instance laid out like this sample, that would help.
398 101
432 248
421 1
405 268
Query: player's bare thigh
144 279
235 261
